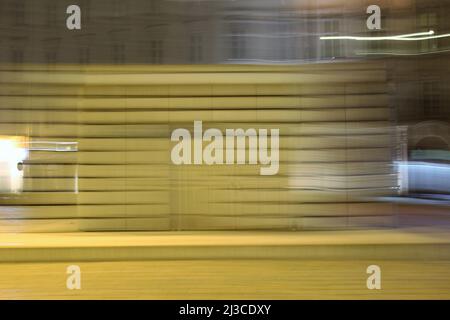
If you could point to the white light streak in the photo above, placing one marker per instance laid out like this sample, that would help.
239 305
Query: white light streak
420 36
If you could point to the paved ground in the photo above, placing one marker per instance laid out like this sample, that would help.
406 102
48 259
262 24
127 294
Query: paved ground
218 279
414 264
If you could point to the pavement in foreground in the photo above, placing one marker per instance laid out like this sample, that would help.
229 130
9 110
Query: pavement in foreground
415 264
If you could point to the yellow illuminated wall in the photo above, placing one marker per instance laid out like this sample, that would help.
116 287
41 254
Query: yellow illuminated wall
99 147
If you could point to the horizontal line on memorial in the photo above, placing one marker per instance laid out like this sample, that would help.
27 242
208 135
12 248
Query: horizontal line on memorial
145 151
211 96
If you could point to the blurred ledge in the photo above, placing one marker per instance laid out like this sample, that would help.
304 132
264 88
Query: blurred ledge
443 201
421 210
349 64
396 244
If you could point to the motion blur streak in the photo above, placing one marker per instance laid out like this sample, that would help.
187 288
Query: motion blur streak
336 147
86 118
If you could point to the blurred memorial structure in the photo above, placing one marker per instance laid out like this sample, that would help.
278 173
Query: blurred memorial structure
86 115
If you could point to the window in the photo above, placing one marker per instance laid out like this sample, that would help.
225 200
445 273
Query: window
156 51
428 21
51 56
120 8
431 99
287 41
196 49
375 46
238 44
19 12
118 53
84 57
154 6
51 15
331 48
17 56
85 10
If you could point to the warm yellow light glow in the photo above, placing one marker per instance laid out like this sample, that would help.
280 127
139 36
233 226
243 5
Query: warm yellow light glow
12 152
